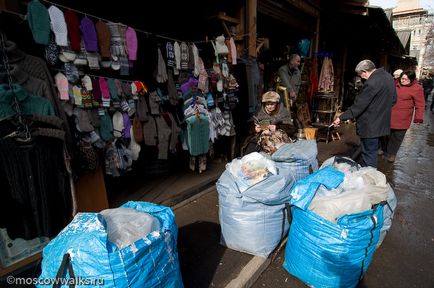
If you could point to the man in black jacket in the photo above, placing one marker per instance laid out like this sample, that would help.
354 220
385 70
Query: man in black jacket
371 109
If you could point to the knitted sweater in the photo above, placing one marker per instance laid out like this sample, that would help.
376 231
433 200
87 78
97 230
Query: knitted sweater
28 103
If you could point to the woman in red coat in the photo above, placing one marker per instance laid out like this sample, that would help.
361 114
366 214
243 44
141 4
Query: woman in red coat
410 101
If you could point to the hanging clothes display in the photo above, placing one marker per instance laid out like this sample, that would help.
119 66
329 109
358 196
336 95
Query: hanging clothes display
36 197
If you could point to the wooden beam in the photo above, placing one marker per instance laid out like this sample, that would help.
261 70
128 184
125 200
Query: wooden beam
251 22
305 7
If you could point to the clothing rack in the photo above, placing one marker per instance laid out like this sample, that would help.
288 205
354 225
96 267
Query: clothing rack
23 131
137 30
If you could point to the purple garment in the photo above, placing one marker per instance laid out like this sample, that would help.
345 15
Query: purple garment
127 126
89 35
187 85
96 90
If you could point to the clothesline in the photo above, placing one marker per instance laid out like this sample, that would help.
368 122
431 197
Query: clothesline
94 76
137 30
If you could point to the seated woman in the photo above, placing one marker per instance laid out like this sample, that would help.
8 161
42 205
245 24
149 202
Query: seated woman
272 115
273 123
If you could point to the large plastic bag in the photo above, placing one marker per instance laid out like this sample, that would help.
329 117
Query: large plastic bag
298 159
378 190
253 221
151 261
324 254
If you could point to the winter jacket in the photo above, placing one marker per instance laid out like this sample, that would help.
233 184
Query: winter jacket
410 98
291 79
373 106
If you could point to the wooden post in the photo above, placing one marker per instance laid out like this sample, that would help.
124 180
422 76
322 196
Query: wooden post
251 28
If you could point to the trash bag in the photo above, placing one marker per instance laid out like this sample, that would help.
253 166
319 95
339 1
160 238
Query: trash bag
347 165
83 246
254 221
298 159
324 254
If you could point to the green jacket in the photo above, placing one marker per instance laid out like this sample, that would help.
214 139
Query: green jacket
29 104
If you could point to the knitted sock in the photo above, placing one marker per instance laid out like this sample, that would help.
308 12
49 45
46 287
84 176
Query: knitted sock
76 92
177 50
154 103
82 120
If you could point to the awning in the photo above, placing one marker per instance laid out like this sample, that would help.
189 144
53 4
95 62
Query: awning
404 37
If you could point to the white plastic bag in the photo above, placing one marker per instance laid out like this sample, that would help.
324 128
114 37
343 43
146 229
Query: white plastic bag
127 225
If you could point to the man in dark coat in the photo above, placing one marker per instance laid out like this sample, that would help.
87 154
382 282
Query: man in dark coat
371 109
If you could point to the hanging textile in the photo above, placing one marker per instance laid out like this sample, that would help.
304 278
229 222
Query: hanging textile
326 78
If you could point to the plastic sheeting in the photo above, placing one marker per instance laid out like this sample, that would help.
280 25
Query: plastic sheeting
255 220
324 254
347 165
298 159
151 261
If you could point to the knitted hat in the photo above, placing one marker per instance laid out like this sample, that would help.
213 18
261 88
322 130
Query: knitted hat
71 73
124 66
113 90
106 129
126 133
86 82
58 25
131 42
62 86
39 22
73 30
397 73
89 34
134 147
137 130
170 55
118 124
96 91
51 52
270 96
105 93
184 56
103 33
82 121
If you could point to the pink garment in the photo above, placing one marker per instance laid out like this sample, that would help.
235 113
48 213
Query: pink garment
233 51
62 86
105 93
131 39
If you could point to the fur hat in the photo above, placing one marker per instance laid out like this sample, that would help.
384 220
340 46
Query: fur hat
270 96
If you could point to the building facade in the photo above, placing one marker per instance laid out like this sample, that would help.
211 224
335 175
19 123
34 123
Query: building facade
412 21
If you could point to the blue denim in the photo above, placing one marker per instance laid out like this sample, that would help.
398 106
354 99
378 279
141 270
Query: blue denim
369 151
